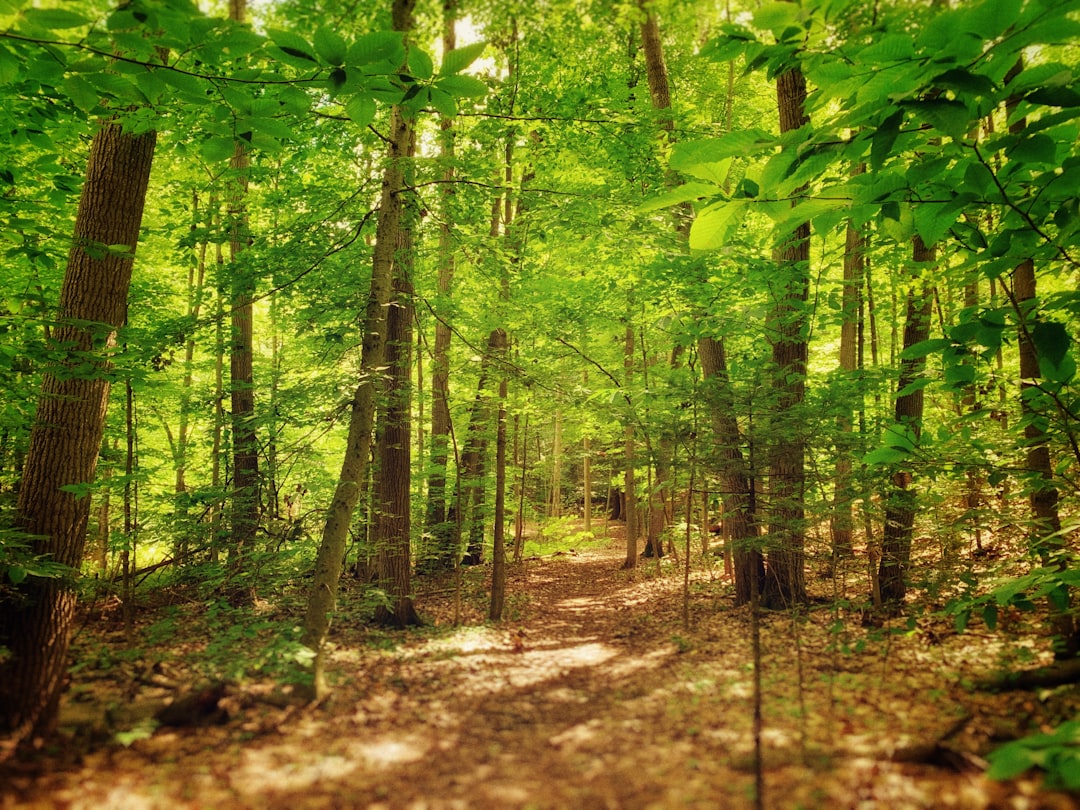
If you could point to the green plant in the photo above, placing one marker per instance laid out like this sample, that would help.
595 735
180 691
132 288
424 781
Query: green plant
1056 753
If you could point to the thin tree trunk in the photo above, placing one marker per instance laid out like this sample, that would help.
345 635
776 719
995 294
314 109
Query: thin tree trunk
739 526
245 505
498 553
331 554
842 518
36 615
630 510
901 500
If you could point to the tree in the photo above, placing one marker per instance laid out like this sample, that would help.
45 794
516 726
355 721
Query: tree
354 465
53 507
785 577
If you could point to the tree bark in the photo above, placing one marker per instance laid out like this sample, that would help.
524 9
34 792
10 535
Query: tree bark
36 616
901 501
441 556
739 527
630 510
331 554
785 577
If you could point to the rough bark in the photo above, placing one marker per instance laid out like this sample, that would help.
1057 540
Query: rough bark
392 523
498 554
441 555
785 576
736 489
331 554
36 616
245 503
630 510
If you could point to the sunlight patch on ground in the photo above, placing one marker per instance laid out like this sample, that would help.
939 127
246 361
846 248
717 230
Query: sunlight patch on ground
632 665
264 771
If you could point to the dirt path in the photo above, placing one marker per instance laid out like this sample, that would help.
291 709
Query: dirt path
587 696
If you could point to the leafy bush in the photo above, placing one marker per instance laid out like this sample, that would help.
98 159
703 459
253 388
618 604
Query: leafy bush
1056 753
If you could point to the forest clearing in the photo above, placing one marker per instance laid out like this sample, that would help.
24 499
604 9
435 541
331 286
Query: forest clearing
578 699
617 403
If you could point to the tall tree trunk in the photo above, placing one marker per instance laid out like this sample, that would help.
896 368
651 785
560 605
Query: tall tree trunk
900 502
498 553
331 554
394 434
736 485
1046 521
630 507
36 616
851 308
785 577
555 509
245 505
441 554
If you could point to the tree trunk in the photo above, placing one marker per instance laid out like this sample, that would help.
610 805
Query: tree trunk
630 510
441 556
392 522
498 553
739 526
331 554
245 505
900 502
842 518
785 577
36 616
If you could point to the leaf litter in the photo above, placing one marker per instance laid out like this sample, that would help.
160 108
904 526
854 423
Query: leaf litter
591 693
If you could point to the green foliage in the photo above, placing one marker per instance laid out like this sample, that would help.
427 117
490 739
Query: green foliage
1056 753
18 560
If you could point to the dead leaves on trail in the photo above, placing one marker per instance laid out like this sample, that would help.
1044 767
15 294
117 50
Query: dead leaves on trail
591 694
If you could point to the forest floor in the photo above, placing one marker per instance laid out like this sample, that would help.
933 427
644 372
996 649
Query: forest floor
592 693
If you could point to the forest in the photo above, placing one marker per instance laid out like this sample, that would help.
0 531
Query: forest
573 403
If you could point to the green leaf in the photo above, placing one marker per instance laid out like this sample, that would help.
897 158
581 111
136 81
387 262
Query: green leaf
688 192
713 226
1039 148
378 46
443 102
885 456
950 117
746 142
297 50
462 86
217 149
55 19
361 109
420 64
1051 341
1010 761
460 58
715 171
925 347
331 46
884 138
16 573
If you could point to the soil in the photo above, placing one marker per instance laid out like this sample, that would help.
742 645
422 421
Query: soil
592 693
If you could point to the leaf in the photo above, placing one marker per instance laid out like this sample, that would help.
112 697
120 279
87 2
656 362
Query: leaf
292 45
933 220
716 171
378 46
1039 148
688 192
55 19
884 138
924 347
16 573
443 102
361 109
950 117
462 86
420 64
746 142
1051 341
713 226
1010 761
213 150
884 456
460 58
331 46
